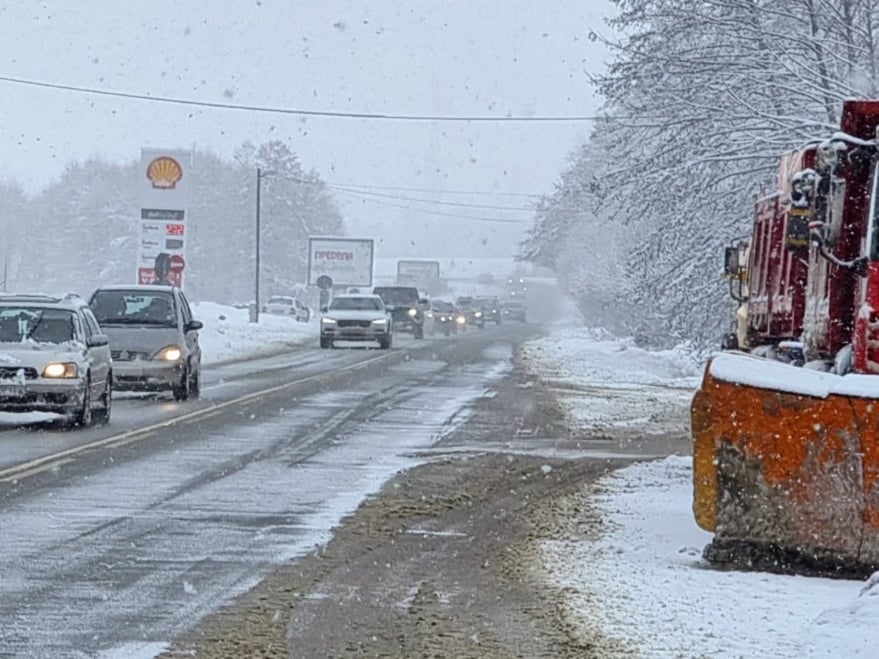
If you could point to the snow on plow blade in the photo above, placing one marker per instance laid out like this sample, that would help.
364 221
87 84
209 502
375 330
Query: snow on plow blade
786 466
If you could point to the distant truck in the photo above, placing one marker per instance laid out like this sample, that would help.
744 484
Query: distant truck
421 274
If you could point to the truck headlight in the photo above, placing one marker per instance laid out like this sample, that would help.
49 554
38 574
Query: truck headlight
413 312
169 354
60 370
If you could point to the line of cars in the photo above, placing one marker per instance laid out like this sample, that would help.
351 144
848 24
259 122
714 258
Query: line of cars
66 355
377 316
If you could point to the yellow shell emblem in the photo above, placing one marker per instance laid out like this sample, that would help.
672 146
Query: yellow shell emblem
164 172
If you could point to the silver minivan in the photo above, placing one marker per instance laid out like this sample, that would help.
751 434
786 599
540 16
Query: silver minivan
153 338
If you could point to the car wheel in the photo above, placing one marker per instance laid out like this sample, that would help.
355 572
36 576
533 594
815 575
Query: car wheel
326 343
181 391
103 414
195 383
385 343
84 417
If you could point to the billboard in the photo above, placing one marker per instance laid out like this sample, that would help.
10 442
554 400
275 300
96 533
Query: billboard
347 261
164 213
417 271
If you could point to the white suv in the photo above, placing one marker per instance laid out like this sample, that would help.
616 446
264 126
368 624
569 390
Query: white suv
54 357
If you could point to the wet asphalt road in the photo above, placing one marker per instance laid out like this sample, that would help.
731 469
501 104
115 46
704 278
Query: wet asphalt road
116 539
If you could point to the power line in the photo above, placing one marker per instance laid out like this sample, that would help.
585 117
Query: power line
299 112
341 188
502 220
438 191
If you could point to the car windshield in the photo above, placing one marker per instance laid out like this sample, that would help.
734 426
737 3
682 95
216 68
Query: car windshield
398 296
121 307
38 324
280 300
356 304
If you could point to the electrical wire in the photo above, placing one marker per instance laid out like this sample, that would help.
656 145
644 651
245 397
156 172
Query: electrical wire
439 202
294 111
502 220
439 191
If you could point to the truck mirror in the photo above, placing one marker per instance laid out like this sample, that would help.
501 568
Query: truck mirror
731 261
798 234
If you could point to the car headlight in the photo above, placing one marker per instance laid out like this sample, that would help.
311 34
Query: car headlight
478 314
380 321
460 320
60 370
442 319
328 321
413 312
169 354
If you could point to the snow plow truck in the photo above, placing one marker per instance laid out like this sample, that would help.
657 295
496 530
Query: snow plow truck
785 423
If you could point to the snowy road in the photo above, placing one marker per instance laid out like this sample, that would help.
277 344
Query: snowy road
117 539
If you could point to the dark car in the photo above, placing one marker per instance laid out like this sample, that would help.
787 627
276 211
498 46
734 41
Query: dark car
407 309
472 311
515 311
491 309
444 317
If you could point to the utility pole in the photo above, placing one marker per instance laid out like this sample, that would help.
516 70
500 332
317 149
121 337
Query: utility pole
255 315
260 175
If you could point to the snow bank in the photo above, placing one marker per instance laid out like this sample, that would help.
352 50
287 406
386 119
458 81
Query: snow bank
661 599
228 333
603 382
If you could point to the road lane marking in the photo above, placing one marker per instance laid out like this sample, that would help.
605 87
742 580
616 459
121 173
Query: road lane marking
47 462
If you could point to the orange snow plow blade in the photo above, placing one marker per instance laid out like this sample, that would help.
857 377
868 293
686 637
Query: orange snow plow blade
786 466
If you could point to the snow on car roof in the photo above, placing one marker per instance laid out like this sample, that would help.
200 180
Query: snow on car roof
137 287
767 374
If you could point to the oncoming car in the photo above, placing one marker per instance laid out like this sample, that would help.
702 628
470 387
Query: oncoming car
153 338
54 358
356 318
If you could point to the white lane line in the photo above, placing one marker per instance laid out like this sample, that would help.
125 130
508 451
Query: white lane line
25 469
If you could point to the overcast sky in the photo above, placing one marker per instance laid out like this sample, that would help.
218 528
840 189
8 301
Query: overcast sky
442 57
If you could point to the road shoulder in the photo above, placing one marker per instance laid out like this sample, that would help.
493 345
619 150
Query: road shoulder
443 561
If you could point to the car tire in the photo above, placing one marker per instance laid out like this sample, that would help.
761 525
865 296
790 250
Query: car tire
195 383
84 418
385 343
326 343
103 415
182 391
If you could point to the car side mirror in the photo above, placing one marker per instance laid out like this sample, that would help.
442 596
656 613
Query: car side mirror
97 340
324 309
194 325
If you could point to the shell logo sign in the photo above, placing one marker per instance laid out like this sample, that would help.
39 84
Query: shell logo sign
164 172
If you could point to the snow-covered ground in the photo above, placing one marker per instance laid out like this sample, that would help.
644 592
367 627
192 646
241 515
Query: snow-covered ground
642 586
228 333
584 364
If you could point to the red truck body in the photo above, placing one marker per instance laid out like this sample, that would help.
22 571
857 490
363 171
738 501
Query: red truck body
825 292
776 276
